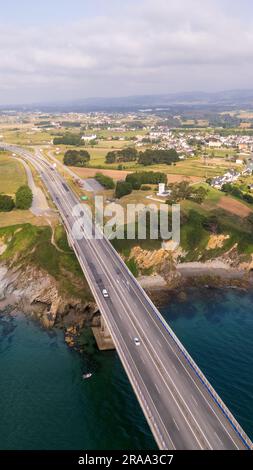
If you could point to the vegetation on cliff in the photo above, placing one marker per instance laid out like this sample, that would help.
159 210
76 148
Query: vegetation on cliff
30 245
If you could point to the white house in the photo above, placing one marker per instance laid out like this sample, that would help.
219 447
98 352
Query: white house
88 138
162 190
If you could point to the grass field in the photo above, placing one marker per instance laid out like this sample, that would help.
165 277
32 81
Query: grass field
190 167
27 137
12 174
16 217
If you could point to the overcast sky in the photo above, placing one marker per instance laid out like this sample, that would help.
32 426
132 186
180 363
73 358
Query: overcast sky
70 49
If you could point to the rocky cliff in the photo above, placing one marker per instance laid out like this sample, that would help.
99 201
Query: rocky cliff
37 293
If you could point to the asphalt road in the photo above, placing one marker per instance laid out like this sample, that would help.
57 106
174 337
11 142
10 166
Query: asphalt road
179 406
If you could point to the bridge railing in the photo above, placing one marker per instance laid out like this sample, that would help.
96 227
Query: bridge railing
227 413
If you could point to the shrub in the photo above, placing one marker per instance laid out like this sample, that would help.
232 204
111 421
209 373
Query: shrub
106 181
6 203
24 197
122 189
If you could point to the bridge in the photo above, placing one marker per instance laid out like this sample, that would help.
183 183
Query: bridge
181 407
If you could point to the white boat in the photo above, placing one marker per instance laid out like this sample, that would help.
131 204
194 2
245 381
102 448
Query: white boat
87 376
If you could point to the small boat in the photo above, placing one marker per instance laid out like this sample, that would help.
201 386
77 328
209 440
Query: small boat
87 376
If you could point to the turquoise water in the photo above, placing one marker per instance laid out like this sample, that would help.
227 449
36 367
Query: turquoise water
45 403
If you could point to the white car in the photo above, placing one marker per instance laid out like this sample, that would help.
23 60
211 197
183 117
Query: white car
105 293
137 341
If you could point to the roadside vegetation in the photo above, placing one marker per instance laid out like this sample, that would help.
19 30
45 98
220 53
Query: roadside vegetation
23 200
105 181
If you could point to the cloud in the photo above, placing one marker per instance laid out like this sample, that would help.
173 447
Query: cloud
151 47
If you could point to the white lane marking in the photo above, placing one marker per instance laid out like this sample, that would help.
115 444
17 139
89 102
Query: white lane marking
195 401
175 368
176 424
219 439
157 388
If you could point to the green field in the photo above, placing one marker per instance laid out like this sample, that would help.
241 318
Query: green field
189 167
12 174
27 137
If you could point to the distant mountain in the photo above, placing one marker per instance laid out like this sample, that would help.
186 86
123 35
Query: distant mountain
224 99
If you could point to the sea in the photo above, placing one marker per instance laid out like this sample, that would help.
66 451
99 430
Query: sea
46 404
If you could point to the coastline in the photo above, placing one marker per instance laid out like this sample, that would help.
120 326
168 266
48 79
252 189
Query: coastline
210 275
54 311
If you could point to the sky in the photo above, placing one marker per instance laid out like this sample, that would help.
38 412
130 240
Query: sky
62 50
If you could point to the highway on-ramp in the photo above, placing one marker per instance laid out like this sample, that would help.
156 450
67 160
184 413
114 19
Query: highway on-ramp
182 408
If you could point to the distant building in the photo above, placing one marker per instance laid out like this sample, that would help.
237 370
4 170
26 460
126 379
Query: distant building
214 144
88 138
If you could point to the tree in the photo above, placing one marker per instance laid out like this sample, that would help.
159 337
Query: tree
122 189
180 191
105 181
76 158
6 203
129 154
24 197
152 157
199 194
111 157
68 139
145 177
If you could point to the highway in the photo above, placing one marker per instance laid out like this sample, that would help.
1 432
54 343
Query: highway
181 407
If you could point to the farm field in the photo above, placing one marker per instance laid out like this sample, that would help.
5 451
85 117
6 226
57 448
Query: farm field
235 207
26 137
190 167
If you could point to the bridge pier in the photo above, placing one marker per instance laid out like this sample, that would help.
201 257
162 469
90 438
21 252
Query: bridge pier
102 336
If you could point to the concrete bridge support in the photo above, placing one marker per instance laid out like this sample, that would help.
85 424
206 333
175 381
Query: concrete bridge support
102 336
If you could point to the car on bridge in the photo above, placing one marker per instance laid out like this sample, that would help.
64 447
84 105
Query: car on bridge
105 293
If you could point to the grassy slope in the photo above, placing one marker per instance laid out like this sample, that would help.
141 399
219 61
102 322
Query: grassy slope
28 244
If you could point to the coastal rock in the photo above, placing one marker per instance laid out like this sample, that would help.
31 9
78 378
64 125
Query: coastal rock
216 241
36 292
3 247
159 261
